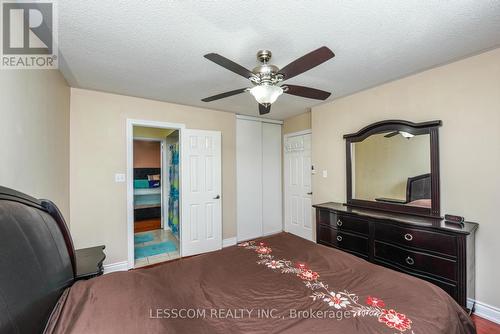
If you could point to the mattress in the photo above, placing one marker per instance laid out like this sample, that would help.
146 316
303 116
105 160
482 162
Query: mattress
278 284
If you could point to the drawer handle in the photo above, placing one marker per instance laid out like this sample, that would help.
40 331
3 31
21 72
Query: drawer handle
339 238
408 237
410 261
339 222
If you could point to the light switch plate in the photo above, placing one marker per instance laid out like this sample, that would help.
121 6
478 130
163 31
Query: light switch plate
325 173
119 177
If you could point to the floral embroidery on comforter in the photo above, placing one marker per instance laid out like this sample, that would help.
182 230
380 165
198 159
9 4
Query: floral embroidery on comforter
339 300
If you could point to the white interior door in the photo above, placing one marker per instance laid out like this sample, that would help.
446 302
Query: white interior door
201 214
298 193
248 179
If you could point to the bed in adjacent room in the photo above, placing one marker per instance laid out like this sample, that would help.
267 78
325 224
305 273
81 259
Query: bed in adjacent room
147 193
278 284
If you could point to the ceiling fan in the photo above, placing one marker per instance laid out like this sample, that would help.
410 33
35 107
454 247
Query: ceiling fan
267 78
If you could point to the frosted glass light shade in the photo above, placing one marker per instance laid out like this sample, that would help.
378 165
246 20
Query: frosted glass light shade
266 94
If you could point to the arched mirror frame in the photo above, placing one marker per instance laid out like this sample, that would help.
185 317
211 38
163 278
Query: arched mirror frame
430 128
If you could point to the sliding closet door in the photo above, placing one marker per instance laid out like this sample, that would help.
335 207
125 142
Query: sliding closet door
271 179
249 178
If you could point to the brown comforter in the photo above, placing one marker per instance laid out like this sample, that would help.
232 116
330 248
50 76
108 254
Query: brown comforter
279 284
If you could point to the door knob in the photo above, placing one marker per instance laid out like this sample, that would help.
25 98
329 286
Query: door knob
217 197
310 193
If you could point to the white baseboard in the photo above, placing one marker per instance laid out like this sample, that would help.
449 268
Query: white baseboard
118 266
485 311
228 242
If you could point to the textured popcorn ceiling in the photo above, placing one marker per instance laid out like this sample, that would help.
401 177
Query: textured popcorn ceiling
154 49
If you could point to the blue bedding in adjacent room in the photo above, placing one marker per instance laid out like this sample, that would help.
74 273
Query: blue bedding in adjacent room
147 200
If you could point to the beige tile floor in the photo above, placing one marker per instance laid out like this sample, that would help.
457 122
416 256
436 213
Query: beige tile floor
159 236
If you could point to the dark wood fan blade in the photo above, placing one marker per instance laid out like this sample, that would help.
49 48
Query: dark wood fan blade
263 109
392 134
223 95
305 63
308 92
229 64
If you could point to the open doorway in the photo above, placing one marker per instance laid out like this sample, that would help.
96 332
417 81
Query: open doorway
193 214
156 228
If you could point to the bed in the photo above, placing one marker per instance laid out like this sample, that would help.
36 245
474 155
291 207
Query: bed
418 192
277 284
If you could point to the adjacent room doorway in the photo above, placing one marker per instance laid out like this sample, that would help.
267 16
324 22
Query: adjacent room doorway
175 209
298 190
156 195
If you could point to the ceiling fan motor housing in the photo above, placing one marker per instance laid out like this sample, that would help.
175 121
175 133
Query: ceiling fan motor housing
264 56
266 74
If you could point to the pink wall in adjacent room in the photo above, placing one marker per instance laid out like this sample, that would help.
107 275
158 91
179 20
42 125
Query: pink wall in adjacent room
147 154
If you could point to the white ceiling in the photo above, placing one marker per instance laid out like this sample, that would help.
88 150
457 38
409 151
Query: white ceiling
154 49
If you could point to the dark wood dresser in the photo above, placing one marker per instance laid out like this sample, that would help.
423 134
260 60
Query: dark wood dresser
431 249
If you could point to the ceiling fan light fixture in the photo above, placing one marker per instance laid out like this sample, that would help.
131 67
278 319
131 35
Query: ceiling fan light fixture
266 94
407 135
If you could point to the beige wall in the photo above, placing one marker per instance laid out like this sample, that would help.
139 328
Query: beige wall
98 151
382 165
34 134
465 95
297 123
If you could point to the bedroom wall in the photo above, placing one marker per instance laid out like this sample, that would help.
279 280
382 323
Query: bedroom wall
34 134
465 95
297 123
98 151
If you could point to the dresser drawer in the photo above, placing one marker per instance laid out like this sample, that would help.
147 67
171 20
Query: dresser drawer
351 224
344 222
343 240
417 261
450 288
416 238
324 217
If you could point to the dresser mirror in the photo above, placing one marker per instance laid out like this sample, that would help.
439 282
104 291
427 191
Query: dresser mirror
394 166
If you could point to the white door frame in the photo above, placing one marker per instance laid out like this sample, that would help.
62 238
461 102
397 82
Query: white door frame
285 137
130 178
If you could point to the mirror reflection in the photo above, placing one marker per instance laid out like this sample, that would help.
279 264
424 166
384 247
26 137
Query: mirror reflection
393 167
